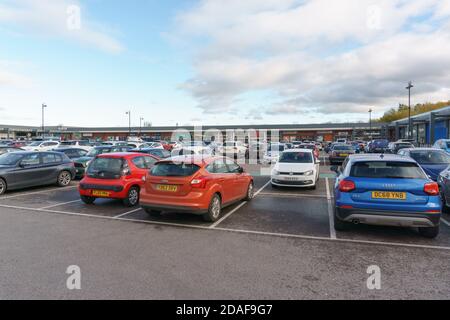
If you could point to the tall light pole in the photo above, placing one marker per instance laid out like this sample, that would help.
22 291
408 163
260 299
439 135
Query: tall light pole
410 85
43 128
370 124
140 125
129 122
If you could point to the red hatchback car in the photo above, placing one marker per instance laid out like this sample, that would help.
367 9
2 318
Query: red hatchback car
116 176
195 184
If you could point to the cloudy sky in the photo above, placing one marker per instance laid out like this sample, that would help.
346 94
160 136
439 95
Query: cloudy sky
218 62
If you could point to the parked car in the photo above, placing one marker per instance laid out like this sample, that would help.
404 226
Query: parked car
433 161
386 190
25 169
296 168
273 153
82 163
378 146
72 153
42 146
116 176
443 144
310 146
193 184
6 149
160 153
394 147
80 144
339 152
193 148
233 149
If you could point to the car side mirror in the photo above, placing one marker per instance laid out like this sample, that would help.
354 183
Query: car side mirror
240 170
335 169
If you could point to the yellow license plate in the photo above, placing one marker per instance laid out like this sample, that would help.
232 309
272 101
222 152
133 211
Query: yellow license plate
166 187
99 193
389 195
343 154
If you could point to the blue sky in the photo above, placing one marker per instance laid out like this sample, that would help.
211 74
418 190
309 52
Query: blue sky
206 62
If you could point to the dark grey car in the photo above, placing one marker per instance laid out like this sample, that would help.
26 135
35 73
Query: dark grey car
29 169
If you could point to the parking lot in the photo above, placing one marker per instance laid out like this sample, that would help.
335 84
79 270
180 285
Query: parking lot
275 214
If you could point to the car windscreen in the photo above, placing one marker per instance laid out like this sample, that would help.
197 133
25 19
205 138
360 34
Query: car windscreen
430 157
342 148
296 157
386 169
380 143
9 159
105 166
68 143
170 169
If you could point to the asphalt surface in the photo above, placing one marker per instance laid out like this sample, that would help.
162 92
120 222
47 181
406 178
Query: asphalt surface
281 245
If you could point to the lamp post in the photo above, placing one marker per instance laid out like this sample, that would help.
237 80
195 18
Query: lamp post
410 85
43 128
129 122
370 124
140 125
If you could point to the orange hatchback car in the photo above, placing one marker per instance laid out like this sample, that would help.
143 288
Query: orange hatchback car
195 184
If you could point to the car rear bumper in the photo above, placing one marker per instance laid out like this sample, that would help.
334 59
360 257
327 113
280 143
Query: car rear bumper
114 191
174 208
388 218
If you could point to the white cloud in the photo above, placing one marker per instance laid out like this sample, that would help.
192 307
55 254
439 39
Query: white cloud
318 55
51 18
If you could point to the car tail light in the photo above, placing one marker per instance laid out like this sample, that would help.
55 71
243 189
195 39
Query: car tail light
346 186
199 182
431 188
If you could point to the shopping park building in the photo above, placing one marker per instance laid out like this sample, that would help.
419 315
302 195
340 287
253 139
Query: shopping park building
287 132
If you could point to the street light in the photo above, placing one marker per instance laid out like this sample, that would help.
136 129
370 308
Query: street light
370 124
43 128
410 85
140 125
129 122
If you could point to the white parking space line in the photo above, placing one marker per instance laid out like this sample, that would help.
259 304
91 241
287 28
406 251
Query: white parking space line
445 222
300 195
60 204
129 212
37 192
330 211
215 224
281 235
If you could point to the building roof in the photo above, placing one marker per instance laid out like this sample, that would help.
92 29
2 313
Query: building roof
424 117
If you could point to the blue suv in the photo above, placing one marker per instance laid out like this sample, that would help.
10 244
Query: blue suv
383 189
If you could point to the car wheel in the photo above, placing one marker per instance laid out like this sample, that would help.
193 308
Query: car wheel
64 178
2 186
132 198
153 213
87 200
339 225
250 192
214 209
429 232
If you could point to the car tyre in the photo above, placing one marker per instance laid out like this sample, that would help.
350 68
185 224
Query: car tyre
132 198
153 213
250 192
339 225
87 199
64 178
3 186
214 209
429 232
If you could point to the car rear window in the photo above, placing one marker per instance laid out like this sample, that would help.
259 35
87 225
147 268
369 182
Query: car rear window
170 169
386 169
106 166
430 157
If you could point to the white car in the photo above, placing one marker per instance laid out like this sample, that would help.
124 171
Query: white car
81 144
231 148
42 146
273 152
296 168
145 145
193 148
